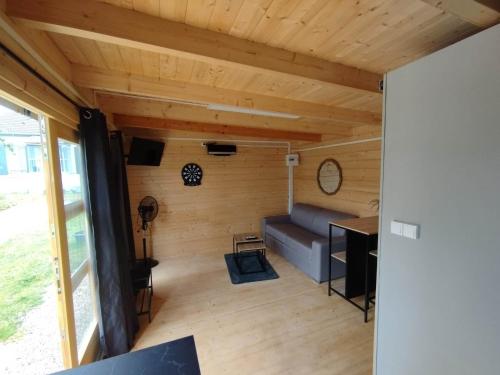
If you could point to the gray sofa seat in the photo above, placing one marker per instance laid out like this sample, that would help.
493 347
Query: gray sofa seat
302 238
293 235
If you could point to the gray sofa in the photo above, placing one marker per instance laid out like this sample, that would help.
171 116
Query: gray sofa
302 239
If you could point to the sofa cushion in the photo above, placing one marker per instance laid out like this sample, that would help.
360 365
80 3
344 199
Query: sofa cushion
292 235
303 215
324 216
315 219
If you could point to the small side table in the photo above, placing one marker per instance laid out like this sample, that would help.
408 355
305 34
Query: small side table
249 245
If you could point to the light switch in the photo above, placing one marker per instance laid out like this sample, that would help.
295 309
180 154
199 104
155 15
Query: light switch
397 227
411 231
407 230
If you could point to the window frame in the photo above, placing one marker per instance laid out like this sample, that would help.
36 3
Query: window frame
73 354
31 159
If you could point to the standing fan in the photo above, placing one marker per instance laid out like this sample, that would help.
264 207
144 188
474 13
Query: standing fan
148 209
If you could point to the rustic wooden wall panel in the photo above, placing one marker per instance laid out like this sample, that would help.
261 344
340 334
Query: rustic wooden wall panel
360 165
236 192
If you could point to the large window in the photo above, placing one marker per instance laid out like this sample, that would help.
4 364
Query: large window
67 152
78 243
29 325
47 161
34 158
3 159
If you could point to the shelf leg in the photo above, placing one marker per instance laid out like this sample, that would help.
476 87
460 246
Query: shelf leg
367 288
329 259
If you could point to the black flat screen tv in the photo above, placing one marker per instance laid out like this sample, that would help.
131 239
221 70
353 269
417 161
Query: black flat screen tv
145 152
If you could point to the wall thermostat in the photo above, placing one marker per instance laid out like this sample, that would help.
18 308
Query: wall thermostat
292 160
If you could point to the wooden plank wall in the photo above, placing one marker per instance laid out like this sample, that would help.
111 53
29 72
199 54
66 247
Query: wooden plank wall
360 165
236 192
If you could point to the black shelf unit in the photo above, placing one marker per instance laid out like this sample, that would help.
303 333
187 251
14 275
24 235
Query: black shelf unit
360 278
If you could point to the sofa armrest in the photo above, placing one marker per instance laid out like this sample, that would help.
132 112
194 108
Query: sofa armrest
276 219
272 220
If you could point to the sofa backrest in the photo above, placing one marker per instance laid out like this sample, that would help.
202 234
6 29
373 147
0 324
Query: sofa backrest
315 219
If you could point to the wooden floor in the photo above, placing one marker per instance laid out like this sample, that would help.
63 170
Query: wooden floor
283 326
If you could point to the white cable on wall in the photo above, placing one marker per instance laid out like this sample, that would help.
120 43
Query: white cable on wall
339 144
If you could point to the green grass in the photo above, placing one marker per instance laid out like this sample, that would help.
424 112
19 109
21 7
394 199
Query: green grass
26 267
25 272
76 246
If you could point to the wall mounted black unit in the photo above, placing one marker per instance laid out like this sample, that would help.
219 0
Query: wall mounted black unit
145 152
220 150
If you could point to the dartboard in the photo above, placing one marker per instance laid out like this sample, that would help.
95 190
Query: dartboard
191 174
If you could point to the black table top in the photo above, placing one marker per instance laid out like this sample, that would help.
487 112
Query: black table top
176 357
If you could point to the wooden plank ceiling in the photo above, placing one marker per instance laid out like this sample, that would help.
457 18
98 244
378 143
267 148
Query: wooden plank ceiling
318 59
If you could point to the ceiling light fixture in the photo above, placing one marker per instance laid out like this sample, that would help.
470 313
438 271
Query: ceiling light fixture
250 111
209 106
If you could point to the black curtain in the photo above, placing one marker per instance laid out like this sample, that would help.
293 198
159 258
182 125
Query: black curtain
118 323
118 161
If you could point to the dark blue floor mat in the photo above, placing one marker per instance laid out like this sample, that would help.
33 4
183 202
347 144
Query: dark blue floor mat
249 263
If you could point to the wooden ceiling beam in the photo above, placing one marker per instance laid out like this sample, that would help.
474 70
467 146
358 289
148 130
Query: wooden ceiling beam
18 83
37 50
107 80
203 127
492 4
159 108
479 13
112 24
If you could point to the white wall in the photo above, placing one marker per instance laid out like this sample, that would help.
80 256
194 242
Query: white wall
438 297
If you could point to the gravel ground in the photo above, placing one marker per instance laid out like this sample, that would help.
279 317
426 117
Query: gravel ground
83 309
37 349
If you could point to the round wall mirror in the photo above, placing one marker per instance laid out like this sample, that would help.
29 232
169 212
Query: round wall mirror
329 176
